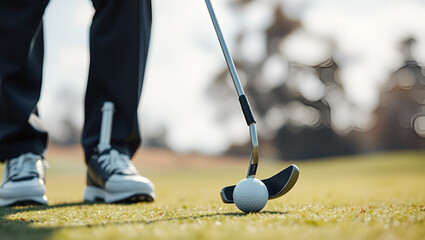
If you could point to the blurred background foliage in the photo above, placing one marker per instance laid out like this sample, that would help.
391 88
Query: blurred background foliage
305 111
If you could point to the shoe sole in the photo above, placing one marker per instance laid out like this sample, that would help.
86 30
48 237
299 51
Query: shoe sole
23 201
95 194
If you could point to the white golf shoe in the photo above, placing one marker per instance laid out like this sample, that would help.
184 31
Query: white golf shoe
112 178
24 181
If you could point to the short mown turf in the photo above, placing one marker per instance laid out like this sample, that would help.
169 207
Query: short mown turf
380 196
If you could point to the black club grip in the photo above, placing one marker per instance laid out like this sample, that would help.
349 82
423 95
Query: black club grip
246 109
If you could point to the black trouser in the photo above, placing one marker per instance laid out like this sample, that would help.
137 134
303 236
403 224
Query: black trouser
119 42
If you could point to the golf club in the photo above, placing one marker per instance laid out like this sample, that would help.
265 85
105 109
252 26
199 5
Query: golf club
278 184
106 126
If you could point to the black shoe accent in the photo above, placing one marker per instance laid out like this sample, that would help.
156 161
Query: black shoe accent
96 176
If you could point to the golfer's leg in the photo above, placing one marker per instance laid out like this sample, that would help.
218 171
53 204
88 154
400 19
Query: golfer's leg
21 61
119 41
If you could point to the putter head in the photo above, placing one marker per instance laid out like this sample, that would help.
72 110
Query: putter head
277 185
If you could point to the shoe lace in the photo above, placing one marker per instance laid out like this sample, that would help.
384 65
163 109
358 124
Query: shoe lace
24 166
114 162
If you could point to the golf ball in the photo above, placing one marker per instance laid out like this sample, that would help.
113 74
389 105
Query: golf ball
250 195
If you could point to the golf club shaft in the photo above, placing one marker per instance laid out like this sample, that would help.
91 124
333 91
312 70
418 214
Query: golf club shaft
227 56
106 126
252 169
246 108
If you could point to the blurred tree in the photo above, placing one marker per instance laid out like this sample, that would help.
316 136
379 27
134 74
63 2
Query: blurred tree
304 112
402 110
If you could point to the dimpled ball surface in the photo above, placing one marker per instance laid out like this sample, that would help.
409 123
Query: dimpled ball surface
250 195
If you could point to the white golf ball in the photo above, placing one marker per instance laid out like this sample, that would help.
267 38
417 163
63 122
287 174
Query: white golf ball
250 195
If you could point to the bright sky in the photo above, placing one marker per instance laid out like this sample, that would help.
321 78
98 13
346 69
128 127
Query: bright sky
185 55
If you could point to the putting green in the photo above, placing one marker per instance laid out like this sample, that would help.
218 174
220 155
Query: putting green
380 196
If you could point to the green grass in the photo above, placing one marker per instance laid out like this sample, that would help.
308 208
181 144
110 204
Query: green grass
380 196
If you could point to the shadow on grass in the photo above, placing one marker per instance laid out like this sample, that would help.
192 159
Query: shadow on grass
23 228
